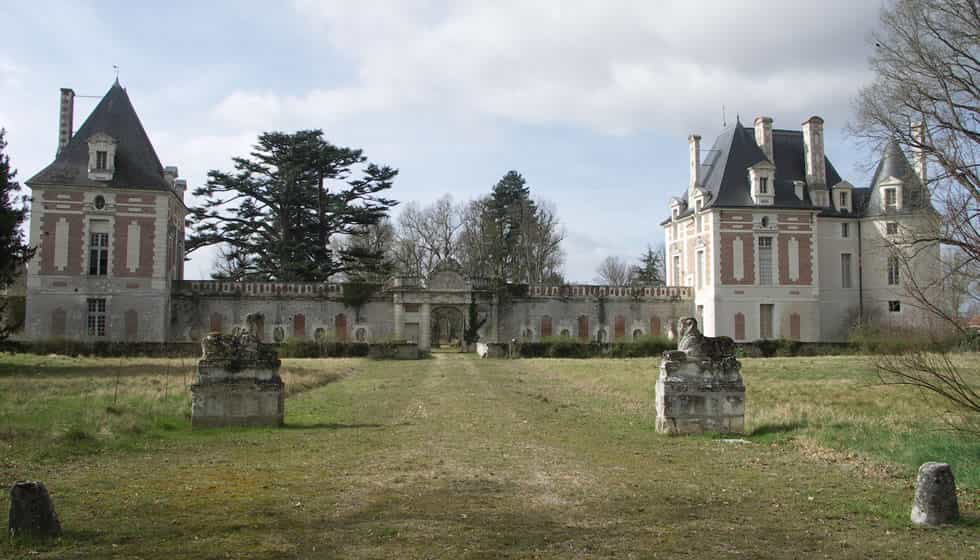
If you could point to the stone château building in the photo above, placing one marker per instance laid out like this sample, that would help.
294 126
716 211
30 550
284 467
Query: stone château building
108 221
768 242
776 244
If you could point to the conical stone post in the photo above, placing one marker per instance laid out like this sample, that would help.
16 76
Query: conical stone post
31 511
935 496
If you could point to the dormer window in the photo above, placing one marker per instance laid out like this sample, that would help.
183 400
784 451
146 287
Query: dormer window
759 176
101 157
841 196
891 199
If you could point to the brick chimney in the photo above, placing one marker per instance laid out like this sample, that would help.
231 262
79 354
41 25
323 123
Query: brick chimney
180 187
816 170
918 153
694 146
763 135
66 117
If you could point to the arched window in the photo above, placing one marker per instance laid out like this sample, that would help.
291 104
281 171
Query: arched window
583 328
545 326
340 327
299 325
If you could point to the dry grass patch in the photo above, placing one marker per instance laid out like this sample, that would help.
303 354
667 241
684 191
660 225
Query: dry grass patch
455 457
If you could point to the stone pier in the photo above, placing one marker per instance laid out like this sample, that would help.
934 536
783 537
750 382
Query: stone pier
237 384
700 386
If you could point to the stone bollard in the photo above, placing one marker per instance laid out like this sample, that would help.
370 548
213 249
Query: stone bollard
935 496
31 511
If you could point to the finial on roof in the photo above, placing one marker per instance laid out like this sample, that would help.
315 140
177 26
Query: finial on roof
738 119
116 68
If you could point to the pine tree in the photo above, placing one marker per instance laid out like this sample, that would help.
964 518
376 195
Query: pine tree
510 237
279 214
14 251
651 268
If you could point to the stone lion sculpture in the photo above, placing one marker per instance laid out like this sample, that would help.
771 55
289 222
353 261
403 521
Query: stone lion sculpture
696 345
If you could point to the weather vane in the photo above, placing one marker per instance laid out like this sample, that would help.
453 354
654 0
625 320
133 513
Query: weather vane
116 68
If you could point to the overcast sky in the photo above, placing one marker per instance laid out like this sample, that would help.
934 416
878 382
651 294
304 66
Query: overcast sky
591 101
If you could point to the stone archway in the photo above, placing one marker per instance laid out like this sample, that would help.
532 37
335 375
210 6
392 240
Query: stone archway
447 326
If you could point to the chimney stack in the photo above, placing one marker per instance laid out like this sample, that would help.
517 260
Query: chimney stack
763 136
180 186
918 151
816 170
170 174
65 118
799 188
694 145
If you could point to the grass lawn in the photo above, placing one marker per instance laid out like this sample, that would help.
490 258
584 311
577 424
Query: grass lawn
454 457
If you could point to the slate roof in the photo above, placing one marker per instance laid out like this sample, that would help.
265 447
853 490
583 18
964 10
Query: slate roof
725 169
893 163
136 164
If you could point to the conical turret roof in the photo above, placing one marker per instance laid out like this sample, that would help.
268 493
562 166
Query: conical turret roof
136 163
895 166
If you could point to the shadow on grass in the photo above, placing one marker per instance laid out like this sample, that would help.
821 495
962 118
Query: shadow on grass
106 371
330 426
774 429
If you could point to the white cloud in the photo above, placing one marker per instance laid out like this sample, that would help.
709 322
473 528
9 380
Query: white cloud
613 67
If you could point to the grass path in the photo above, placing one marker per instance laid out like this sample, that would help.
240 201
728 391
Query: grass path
456 457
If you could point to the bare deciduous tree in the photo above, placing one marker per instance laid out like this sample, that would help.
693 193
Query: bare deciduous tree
926 98
613 271
427 236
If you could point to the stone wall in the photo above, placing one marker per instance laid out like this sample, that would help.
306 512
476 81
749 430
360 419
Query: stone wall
302 310
309 311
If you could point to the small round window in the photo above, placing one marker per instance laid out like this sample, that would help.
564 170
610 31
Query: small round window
99 202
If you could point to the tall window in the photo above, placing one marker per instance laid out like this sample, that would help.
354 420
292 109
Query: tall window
677 271
98 254
845 270
845 230
765 261
765 320
763 185
95 320
891 199
101 160
843 200
893 270
700 269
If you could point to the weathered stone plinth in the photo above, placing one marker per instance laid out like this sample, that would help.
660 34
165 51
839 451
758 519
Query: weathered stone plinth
935 496
237 384
700 395
31 511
